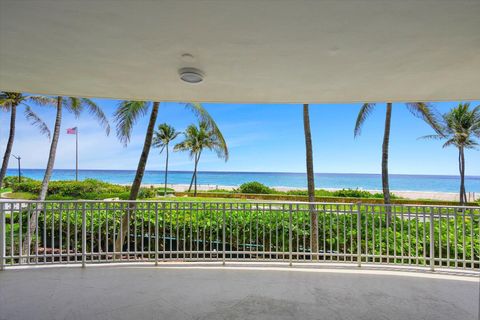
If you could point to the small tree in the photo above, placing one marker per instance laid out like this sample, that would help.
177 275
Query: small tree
161 139
196 140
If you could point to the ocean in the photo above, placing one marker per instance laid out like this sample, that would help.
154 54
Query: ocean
438 183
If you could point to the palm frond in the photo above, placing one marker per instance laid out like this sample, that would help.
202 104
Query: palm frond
98 113
164 134
426 112
432 137
8 99
449 143
73 104
203 115
35 120
43 100
126 115
363 114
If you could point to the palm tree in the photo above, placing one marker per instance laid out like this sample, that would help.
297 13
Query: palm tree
418 109
9 101
162 138
459 127
196 140
310 182
126 116
76 106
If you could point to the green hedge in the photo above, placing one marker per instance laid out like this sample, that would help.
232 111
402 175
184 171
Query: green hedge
89 189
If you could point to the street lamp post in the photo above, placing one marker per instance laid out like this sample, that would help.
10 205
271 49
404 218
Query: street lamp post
19 170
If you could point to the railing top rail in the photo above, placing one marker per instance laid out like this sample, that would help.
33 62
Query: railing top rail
13 201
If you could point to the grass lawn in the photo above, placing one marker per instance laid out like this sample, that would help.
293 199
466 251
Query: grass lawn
20 195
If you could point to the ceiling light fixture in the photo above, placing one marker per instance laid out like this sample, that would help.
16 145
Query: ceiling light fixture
191 75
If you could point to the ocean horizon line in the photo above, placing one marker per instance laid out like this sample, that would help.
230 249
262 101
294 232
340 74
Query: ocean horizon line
257 172
366 181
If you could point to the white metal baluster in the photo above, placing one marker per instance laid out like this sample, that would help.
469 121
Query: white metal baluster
472 256
290 235
432 241
464 245
84 236
2 236
359 235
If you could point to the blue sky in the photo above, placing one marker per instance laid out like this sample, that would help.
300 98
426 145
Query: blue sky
261 137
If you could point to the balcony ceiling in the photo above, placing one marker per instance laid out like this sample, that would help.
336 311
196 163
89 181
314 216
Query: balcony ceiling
250 51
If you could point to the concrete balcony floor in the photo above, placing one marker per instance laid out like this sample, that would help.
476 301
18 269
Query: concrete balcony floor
235 291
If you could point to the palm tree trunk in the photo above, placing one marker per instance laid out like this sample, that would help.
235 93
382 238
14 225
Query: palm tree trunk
461 163
310 182
386 142
46 178
53 151
166 173
137 182
8 149
195 173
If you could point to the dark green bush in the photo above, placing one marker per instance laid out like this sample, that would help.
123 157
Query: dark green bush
255 187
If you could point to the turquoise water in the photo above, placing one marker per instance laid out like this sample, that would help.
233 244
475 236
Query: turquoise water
297 180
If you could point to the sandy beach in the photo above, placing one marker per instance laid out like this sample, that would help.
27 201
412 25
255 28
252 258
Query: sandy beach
447 196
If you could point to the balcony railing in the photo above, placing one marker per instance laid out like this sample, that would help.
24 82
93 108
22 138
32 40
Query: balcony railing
84 232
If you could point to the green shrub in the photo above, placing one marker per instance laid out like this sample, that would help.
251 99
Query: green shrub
65 190
255 187
145 193
9 181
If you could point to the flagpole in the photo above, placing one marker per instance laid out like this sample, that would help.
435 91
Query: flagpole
76 154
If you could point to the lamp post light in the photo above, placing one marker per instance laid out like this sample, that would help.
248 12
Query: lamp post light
19 171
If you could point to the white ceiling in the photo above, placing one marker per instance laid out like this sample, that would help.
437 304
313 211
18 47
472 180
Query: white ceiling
250 51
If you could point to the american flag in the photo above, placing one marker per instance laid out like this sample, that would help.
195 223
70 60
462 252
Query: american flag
72 130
